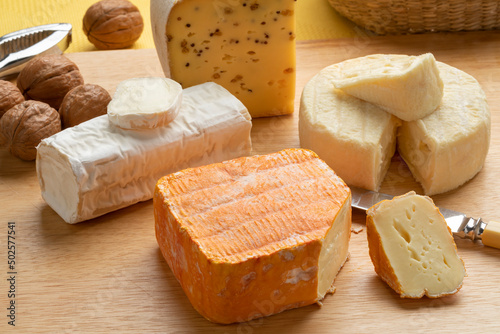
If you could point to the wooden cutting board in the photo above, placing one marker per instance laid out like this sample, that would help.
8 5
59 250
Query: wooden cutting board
108 274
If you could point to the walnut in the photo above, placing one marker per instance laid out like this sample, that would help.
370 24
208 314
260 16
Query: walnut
48 78
9 96
113 24
23 126
83 103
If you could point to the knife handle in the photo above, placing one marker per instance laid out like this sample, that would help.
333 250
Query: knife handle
491 234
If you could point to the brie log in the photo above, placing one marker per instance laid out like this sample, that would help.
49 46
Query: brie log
95 167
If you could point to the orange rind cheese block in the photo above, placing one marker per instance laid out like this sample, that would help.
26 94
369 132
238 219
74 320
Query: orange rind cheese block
254 236
412 247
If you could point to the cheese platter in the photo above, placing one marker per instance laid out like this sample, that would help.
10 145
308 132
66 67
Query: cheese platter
108 273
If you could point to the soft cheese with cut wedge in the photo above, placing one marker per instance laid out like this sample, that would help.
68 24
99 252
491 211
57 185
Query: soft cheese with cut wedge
408 87
357 139
145 103
412 248
96 167
248 47
449 147
254 236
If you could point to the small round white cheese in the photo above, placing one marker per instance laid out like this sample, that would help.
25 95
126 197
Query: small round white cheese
145 103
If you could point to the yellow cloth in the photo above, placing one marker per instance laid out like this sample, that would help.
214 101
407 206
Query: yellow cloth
315 19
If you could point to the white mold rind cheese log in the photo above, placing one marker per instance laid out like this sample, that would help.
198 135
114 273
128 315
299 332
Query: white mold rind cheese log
248 47
412 248
449 147
355 138
254 236
96 167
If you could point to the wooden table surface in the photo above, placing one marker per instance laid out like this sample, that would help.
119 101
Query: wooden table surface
108 274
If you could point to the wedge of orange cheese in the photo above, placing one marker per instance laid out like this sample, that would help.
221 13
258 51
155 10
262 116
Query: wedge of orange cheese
254 236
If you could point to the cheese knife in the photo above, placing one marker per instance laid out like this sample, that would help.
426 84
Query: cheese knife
460 224
18 47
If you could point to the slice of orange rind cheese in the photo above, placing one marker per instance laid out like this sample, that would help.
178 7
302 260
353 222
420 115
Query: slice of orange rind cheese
412 247
254 236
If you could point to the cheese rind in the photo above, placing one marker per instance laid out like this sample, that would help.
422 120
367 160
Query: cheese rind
95 167
409 87
145 103
412 247
449 147
247 47
355 138
254 236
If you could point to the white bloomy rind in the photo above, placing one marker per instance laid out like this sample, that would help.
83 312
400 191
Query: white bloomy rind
145 103
95 167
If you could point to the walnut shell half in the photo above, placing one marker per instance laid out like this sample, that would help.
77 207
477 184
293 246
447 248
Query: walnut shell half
113 24
83 103
48 78
9 96
24 126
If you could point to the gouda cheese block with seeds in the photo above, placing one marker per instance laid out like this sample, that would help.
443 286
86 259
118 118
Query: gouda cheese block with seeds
254 236
412 248
248 47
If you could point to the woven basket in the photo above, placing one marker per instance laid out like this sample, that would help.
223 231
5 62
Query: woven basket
415 16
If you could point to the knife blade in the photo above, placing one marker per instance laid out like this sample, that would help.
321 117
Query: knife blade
460 224
18 47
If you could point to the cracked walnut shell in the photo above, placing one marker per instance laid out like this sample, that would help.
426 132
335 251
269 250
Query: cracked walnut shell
24 126
48 78
83 103
9 96
113 24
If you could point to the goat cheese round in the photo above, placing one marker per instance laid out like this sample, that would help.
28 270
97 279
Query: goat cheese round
145 103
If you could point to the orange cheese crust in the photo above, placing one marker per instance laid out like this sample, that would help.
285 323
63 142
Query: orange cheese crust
379 258
244 237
